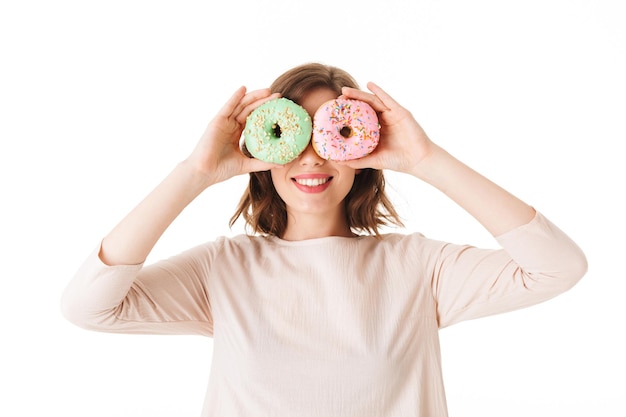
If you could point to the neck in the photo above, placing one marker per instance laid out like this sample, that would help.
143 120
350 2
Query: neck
311 226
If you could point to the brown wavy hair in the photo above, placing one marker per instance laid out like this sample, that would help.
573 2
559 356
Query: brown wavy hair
367 205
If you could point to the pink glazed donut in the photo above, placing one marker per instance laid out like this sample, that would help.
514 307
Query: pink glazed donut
345 129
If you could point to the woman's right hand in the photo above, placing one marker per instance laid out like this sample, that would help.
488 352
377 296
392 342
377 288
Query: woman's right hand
218 155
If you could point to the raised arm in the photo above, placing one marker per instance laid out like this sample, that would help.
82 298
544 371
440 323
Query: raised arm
405 147
216 158
537 260
115 292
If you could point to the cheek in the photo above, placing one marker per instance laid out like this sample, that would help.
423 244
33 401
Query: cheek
273 174
349 176
279 181
346 184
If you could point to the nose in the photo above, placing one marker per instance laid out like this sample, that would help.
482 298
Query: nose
309 157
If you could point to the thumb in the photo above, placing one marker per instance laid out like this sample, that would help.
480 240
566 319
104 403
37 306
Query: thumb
368 161
256 165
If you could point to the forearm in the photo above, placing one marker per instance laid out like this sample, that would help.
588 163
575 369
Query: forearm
495 208
133 238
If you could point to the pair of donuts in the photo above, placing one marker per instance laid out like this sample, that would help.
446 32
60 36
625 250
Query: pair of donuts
342 129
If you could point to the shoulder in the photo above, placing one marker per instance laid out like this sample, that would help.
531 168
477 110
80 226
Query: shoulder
240 242
405 240
225 246
254 244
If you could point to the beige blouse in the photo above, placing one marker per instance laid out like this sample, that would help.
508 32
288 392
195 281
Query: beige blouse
329 327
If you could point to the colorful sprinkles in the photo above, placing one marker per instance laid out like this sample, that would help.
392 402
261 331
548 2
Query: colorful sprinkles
277 131
330 122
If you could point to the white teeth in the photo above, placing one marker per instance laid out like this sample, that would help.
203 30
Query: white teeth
312 182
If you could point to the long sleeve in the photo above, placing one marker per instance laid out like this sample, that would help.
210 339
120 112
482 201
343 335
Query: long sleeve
537 262
326 327
168 297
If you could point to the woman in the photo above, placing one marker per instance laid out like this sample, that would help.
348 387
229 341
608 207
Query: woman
316 313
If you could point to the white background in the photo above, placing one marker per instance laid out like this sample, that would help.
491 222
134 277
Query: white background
99 100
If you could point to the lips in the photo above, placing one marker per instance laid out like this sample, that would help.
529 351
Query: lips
312 183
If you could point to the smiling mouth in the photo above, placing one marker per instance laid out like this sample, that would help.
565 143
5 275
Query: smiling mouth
312 182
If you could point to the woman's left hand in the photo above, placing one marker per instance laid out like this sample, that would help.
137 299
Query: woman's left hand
403 142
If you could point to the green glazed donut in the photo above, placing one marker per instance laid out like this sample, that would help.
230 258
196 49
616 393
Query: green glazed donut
277 131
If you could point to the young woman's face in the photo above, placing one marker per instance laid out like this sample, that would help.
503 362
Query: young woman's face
310 184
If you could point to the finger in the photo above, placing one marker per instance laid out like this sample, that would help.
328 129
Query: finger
256 165
371 99
249 98
245 112
232 103
382 95
361 163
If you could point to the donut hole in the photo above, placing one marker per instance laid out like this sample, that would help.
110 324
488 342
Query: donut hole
276 130
346 131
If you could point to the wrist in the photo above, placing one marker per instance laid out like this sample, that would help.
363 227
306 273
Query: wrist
431 165
194 179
